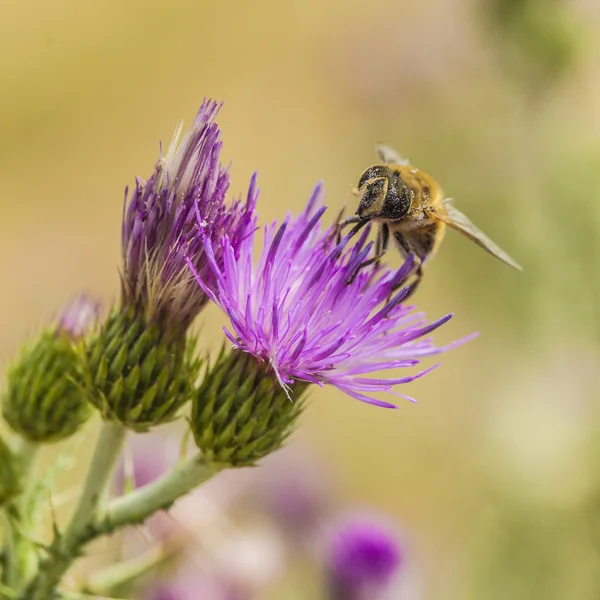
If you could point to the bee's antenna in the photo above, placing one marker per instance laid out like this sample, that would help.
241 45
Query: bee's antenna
353 193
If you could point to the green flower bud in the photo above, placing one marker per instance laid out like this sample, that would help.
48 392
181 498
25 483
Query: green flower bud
241 412
42 402
138 373
10 485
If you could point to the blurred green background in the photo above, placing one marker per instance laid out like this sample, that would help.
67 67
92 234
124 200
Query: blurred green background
494 473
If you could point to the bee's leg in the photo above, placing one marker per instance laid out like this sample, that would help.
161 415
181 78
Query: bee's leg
383 242
341 224
360 223
412 287
417 273
381 247
336 230
340 215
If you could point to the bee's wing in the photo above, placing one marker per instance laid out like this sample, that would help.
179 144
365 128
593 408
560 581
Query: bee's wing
457 220
389 156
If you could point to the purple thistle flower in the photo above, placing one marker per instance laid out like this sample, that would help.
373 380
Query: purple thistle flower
141 367
168 215
363 560
295 310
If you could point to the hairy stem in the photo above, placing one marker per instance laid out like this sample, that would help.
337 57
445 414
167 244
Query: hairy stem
20 553
130 509
158 495
113 577
67 547
106 454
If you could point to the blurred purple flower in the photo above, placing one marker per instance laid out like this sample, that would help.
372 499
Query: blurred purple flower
363 559
78 316
186 585
195 589
296 311
163 219
294 489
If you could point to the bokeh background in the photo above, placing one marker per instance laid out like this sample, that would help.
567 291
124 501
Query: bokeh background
493 476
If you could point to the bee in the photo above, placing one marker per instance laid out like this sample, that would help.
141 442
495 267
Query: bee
409 206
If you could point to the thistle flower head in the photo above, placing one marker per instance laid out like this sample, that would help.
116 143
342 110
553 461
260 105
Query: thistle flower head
41 402
141 367
166 217
362 560
136 372
305 312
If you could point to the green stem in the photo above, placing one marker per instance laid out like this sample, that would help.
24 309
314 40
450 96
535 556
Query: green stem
130 509
26 454
158 495
106 454
114 577
82 527
21 554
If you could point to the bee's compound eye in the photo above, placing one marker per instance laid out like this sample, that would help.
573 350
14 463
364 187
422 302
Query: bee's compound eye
373 191
373 173
397 201
368 174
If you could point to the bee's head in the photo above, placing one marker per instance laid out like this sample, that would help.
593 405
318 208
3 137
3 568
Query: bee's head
382 195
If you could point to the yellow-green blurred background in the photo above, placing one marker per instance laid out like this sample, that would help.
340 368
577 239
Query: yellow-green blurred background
493 473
